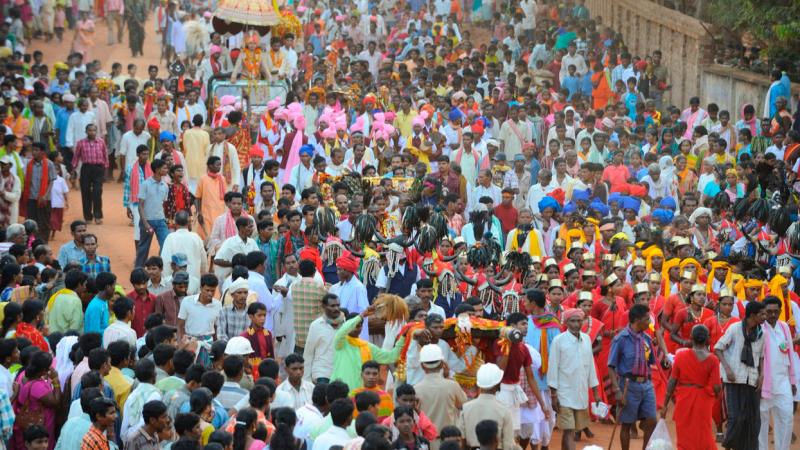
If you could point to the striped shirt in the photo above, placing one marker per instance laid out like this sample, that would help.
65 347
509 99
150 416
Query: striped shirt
90 152
95 439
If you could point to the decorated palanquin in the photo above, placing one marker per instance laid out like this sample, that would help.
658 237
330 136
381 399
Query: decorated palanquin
471 338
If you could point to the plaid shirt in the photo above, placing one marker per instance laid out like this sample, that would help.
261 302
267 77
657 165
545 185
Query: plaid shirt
100 264
94 440
6 418
305 296
231 322
90 152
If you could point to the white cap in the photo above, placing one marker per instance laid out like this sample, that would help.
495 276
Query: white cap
489 376
239 283
68 98
7 159
430 353
238 345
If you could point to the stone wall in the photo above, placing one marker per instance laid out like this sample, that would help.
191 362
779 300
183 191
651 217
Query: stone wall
647 26
732 88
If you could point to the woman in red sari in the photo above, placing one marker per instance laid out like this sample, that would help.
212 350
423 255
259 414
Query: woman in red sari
717 326
693 314
695 374
611 311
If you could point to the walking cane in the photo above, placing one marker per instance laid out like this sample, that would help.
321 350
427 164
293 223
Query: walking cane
616 420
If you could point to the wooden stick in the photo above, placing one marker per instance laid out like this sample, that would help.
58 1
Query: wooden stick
616 420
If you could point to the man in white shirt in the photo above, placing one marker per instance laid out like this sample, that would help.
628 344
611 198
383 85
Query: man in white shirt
570 375
294 385
76 126
341 411
431 334
538 191
318 351
199 313
572 58
485 188
130 141
372 57
779 385
255 261
241 243
120 329
310 415
350 290
187 242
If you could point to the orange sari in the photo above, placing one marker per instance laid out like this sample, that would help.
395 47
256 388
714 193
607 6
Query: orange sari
694 399
601 90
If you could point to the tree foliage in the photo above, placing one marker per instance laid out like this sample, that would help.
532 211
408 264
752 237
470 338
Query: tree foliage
774 23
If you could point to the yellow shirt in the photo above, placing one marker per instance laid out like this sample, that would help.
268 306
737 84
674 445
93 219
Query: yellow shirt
120 385
403 122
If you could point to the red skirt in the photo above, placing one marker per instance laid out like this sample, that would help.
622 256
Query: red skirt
56 219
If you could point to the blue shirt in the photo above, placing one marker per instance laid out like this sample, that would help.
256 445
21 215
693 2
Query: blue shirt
154 193
69 253
623 349
72 432
572 84
533 338
220 415
62 119
96 317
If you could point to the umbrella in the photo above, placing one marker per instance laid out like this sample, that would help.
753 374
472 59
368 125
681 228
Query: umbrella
234 16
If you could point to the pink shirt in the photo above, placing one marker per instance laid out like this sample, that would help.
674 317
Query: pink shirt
616 175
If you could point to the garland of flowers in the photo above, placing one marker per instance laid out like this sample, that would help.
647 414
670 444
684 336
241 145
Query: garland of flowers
252 62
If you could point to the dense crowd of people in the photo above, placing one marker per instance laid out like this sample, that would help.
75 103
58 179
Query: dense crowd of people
458 226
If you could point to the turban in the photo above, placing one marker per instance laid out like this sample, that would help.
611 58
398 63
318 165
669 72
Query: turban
227 100
328 133
369 99
776 288
580 195
571 313
599 206
256 151
299 122
631 203
477 127
282 113
166 136
668 203
240 283
357 126
651 253
153 123
454 115
570 207
753 283
419 120
689 261
549 202
215 49
307 149
616 197
618 237
347 262
700 211
663 216
274 103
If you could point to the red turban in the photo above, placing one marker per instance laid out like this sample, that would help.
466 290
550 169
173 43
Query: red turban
347 262
153 123
256 151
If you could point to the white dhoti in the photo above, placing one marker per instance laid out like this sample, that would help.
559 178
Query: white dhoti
513 397
779 407
535 427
